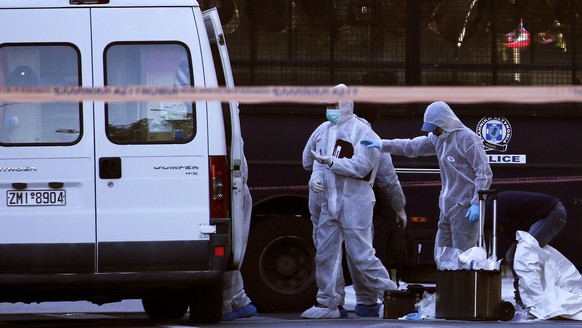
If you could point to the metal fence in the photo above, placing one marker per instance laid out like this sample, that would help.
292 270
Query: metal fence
403 42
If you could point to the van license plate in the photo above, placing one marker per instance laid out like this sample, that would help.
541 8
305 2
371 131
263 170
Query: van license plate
36 198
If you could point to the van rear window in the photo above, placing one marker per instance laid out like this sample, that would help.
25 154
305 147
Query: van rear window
50 123
147 64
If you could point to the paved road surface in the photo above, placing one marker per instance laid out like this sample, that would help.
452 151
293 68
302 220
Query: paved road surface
130 314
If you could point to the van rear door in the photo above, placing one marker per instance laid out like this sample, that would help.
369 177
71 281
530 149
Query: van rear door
47 208
152 157
231 110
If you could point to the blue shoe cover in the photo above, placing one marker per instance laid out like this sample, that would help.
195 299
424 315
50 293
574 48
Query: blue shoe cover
413 316
367 310
246 311
229 316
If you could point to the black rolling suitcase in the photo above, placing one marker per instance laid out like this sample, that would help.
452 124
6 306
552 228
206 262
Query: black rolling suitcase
473 294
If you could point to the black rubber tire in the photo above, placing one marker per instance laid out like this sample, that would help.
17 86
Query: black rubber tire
505 311
165 307
206 303
279 266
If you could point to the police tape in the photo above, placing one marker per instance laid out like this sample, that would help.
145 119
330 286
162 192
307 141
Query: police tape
434 183
296 94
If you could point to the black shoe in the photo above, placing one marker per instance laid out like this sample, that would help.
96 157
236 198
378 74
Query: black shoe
343 312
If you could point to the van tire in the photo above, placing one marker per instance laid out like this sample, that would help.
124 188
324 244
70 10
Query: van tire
206 303
279 266
165 307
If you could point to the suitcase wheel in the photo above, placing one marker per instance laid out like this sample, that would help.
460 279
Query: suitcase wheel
505 311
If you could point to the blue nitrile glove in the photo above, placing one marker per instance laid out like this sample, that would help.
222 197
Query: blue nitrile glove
371 143
473 213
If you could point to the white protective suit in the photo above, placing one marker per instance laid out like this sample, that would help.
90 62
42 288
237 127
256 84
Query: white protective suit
389 184
464 170
234 296
386 179
346 212
549 284
317 198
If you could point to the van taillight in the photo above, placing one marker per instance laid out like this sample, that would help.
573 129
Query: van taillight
219 187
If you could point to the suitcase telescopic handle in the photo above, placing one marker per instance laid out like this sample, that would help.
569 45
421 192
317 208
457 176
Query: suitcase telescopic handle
482 193
493 194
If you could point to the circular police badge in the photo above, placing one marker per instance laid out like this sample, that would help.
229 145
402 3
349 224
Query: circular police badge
495 132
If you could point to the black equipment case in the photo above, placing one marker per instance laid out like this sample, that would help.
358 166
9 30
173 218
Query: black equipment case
398 303
473 294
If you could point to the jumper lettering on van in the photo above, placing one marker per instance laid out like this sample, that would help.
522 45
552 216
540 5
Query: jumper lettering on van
176 167
18 169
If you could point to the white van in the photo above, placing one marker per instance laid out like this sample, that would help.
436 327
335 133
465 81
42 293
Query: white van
122 200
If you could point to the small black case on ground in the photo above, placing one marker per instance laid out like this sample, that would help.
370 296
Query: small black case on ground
398 303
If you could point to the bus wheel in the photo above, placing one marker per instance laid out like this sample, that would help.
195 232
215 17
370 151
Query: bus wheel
279 266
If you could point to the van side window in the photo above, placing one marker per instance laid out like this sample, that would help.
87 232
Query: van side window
50 123
149 64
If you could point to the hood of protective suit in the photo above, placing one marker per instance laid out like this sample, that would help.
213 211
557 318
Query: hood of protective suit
441 115
346 107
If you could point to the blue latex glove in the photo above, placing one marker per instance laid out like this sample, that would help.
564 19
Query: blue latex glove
473 213
371 143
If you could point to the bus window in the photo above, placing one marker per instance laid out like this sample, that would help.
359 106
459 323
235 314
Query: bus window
160 64
51 123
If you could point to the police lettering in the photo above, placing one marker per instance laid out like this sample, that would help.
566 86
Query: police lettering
504 159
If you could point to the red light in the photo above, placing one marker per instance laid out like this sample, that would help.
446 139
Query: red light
219 251
219 187
518 38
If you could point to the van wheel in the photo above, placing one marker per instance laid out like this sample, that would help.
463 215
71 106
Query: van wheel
206 303
279 266
164 307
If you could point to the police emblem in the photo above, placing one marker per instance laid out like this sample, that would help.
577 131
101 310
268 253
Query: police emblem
495 132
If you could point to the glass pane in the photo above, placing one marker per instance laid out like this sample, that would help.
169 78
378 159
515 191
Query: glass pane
39 123
149 122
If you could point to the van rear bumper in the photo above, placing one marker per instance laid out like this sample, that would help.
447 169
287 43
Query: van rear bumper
116 285
100 288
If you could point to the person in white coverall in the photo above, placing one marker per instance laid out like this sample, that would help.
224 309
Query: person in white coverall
316 197
346 211
386 180
464 170
235 302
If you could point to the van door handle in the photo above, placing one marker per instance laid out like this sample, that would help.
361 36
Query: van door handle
110 168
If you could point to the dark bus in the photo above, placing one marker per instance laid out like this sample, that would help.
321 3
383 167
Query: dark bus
400 43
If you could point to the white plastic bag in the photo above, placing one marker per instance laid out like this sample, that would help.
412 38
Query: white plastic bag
549 284
475 258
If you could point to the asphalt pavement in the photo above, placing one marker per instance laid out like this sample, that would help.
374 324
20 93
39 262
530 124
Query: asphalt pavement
129 313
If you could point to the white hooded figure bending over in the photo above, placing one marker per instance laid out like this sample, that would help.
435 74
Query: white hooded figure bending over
464 170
